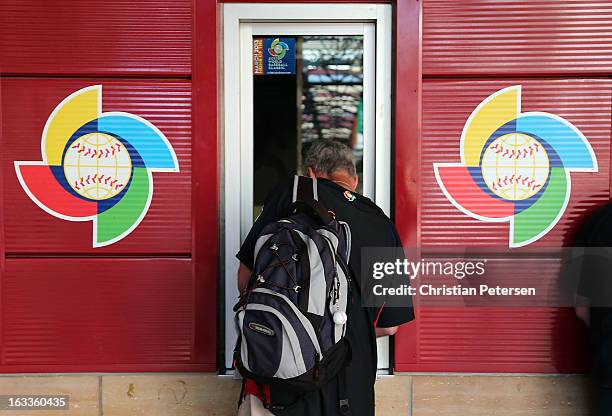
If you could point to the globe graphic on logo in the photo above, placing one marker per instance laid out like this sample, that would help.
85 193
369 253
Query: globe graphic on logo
97 166
515 166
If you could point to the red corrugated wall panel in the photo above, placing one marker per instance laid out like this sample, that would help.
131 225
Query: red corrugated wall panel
516 37
558 51
96 37
93 312
167 225
495 340
513 339
148 301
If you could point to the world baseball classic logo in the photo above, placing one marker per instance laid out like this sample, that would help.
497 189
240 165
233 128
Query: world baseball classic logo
515 167
97 166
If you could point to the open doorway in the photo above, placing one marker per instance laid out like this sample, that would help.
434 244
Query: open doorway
333 81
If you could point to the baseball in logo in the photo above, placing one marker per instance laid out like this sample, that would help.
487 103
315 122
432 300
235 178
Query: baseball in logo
515 167
278 49
97 166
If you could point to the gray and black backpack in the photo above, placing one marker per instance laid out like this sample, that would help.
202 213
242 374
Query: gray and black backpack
292 318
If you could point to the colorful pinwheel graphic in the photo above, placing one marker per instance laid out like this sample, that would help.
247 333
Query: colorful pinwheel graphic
515 166
278 49
97 166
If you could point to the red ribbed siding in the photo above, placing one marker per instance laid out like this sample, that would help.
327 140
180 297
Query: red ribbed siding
479 37
97 312
558 51
495 340
96 37
500 339
148 301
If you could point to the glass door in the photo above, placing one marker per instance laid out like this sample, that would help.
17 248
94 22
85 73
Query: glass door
315 91
323 87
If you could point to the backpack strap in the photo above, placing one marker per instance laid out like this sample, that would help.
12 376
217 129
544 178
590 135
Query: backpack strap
306 198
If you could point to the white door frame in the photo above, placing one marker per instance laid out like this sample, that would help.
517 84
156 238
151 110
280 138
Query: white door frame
240 23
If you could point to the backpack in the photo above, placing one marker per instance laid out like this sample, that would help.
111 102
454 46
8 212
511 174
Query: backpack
292 317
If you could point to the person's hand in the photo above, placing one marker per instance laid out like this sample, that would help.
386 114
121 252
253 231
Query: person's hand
244 273
383 332
582 309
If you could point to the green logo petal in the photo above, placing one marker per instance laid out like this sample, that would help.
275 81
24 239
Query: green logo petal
119 220
531 224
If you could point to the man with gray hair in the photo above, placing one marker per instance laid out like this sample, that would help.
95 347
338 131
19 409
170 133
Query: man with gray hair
332 160
332 164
